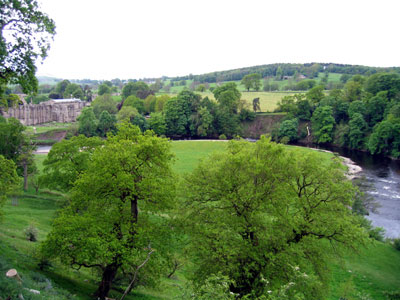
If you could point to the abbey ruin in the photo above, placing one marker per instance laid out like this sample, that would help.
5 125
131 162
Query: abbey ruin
60 110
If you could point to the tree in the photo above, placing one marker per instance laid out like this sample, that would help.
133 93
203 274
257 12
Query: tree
135 102
104 89
67 160
8 178
104 103
106 123
316 94
252 81
322 123
176 115
116 215
259 214
288 128
73 90
127 114
157 123
381 139
11 138
139 89
279 73
388 82
25 35
87 122
357 130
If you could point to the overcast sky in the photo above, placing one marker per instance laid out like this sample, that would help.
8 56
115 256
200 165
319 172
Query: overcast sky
103 39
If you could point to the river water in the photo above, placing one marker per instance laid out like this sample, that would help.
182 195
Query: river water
382 178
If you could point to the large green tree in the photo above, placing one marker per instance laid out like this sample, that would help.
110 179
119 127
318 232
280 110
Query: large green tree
25 36
116 215
259 215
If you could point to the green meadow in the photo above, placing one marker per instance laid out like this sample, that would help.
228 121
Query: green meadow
371 272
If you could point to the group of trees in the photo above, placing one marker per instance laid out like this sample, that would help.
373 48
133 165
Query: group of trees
363 115
186 115
257 216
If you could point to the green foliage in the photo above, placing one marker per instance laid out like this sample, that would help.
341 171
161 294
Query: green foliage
177 113
73 90
115 214
252 81
357 131
288 128
104 89
135 102
157 123
222 137
323 123
256 211
11 138
31 233
29 40
316 94
67 160
381 141
150 104
383 82
104 103
376 107
396 244
106 124
87 122
305 85
8 178
139 89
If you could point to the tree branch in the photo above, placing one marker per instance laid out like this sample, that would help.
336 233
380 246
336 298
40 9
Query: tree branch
129 288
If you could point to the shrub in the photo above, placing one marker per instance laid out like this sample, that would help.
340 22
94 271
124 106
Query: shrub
31 233
396 244
222 137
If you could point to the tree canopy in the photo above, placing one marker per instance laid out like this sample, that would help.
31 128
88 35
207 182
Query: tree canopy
114 218
259 214
25 36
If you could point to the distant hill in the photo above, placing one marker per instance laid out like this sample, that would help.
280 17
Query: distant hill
310 70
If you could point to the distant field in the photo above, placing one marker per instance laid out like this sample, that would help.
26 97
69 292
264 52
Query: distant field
268 100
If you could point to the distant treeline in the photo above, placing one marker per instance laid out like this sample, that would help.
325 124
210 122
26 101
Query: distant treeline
310 70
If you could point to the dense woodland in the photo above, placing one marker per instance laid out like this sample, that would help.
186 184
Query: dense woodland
364 115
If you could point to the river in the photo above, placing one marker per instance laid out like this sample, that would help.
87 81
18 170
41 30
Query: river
382 176
382 179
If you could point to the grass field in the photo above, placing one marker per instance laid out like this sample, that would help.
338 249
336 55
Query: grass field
268 100
372 272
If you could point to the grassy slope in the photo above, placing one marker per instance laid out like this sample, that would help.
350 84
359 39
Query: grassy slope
374 271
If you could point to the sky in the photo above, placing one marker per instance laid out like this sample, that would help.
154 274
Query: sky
133 39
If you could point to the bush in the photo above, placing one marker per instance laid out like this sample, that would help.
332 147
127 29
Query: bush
396 244
31 233
222 137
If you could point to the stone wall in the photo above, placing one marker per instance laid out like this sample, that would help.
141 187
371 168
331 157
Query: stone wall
49 111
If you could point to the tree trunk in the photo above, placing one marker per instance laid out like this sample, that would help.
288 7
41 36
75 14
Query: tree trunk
25 176
105 285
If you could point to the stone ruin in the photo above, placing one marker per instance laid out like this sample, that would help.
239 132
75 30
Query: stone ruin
59 110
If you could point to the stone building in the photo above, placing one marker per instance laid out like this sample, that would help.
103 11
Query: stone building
60 110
